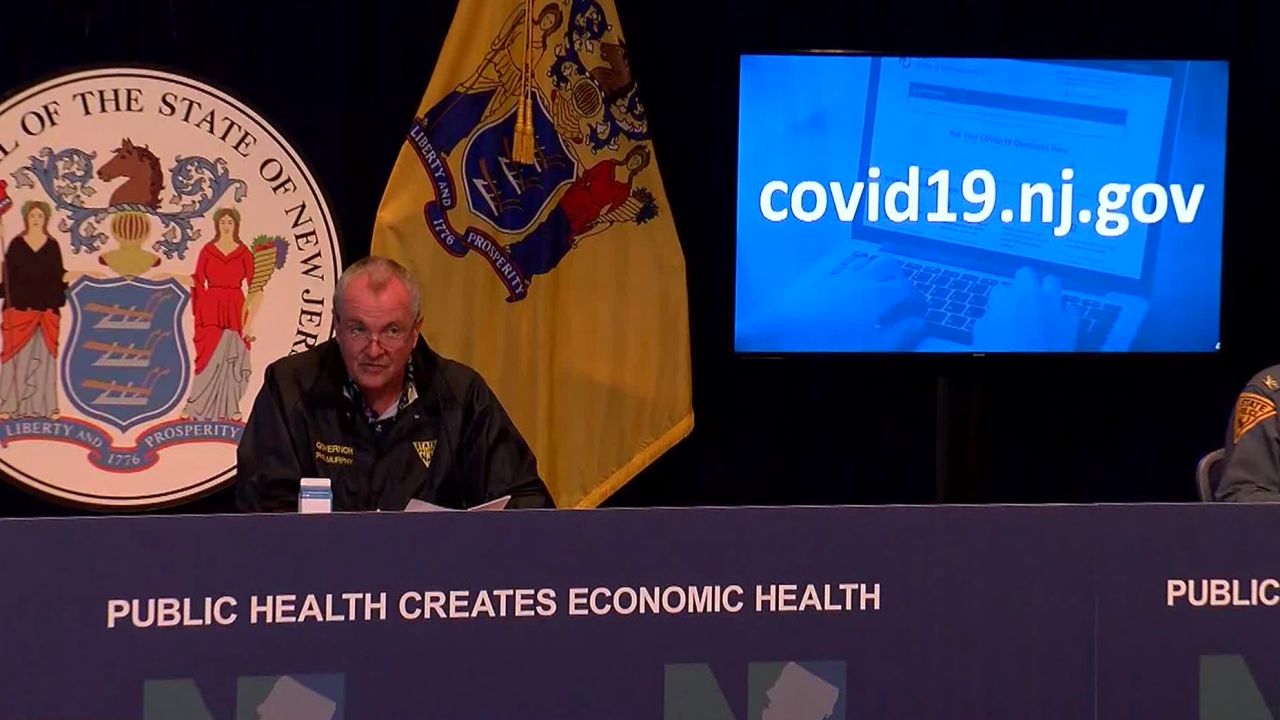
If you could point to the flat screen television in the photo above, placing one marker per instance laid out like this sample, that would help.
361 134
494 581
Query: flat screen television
978 205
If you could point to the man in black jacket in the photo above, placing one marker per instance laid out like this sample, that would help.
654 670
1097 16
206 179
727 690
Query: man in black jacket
381 415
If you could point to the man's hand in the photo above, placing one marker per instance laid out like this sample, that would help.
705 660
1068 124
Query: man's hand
1028 316
871 309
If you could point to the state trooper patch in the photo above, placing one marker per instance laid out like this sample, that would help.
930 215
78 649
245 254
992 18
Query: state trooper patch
1251 409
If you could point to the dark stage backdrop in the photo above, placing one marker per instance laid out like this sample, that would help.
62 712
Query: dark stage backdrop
343 80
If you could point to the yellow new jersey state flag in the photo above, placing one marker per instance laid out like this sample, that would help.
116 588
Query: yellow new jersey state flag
528 204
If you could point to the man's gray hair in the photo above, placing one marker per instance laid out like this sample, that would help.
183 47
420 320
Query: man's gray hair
380 271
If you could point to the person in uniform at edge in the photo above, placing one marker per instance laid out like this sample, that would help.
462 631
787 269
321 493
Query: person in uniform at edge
381 415
1251 468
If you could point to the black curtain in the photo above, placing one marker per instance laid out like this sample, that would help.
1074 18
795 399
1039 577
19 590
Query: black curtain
342 81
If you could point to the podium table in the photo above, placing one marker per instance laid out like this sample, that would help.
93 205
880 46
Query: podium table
1124 612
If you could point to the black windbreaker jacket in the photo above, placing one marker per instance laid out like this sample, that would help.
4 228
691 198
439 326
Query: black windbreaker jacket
453 446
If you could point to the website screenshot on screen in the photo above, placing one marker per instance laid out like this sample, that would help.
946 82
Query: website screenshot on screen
1102 181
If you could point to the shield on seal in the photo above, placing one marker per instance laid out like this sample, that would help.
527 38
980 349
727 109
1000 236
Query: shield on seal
126 359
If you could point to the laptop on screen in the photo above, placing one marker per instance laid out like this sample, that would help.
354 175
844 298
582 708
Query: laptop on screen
1012 163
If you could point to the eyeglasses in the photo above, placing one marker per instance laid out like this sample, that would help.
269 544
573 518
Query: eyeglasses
391 338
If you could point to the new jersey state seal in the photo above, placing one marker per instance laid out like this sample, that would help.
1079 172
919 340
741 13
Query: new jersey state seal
161 244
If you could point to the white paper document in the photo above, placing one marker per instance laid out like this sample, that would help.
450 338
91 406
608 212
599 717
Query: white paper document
416 505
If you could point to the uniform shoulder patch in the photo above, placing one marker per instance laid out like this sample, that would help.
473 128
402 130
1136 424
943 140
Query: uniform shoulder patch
1251 409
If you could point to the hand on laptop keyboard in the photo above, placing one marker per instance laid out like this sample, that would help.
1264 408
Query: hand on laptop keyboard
1028 316
868 308
956 300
